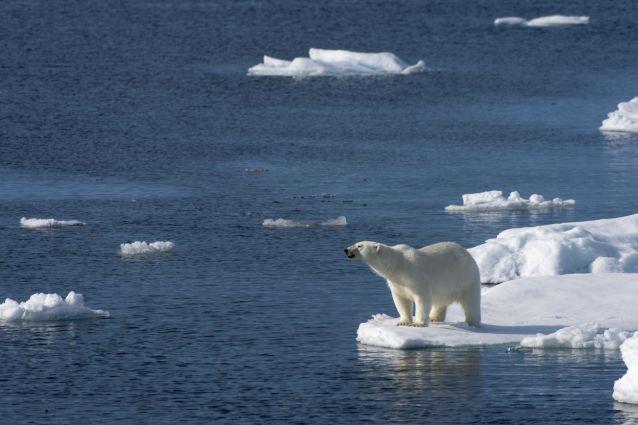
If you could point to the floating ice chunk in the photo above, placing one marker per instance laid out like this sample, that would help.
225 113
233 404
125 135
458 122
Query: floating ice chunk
323 62
282 222
543 21
494 200
339 221
625 119
137 247
557 21
590 335
255 170
40 307
41 223
560 249
626 388
509 21
516 312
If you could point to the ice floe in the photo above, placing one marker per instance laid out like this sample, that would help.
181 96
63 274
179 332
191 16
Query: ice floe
626 388
597 246
590 335
43 223
575 311
140 248
322 62
625 119
543 21
283 223
42 307
494 200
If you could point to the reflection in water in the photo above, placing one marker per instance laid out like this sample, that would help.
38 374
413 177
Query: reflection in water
413 375
626 414
490 385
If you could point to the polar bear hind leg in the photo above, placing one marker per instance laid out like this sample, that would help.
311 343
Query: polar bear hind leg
471 304
437 314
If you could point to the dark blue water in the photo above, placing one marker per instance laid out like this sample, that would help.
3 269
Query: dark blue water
137 117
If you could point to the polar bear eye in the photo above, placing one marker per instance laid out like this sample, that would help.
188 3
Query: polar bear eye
360 246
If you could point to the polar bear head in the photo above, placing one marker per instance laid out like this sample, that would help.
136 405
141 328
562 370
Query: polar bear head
364 250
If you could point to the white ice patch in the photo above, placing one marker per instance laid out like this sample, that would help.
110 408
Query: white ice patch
494 200
322 62
42 223
543 21
336 222
139 248
597 246
626 388
285 223
625 119
521 309
41 307
590 335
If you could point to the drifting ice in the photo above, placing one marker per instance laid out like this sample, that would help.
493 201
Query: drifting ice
323 62
495 201
543 21
626 388
40 307
625 119
597 246
575 311
283 223
40 223
137 247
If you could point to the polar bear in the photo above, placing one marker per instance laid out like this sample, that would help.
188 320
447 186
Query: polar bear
430 278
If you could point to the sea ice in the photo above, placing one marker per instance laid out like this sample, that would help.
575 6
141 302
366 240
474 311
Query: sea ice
576 311
40 223
137 247
282 222
609 245
626 388
494 200
625 119
322 62
543 21
590 335
40 307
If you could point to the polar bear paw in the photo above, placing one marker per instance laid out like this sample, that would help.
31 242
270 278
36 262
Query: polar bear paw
402 322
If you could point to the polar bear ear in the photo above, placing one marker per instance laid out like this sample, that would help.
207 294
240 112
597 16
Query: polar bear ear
377 247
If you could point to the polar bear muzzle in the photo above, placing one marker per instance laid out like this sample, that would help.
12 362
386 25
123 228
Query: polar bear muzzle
349 253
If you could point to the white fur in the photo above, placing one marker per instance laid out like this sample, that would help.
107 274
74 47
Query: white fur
428 279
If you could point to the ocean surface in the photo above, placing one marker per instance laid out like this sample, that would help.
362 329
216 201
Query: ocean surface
138 118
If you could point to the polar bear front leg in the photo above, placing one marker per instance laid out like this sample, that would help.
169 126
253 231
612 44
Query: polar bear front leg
404 307
423 306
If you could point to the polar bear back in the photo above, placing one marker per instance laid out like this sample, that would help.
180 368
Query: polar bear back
447 268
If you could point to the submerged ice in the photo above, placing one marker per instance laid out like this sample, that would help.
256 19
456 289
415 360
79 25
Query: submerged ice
323 62
494 200
625 119
138 248
41 307
598 246
285 223
543 21
43 223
